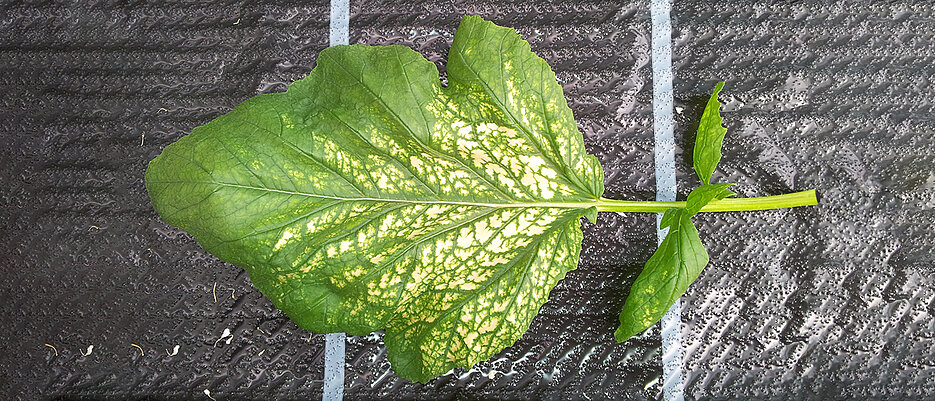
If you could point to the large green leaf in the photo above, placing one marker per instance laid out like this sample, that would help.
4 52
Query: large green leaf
677 262
370 197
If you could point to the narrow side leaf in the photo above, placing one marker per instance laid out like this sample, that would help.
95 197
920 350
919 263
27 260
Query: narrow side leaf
673 267
710 136
667 274
701 196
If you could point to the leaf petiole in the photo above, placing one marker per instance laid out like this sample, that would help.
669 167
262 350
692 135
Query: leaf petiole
795 199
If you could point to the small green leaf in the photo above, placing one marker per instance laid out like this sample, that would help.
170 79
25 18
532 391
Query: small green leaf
665 277
591 214
673 267
701 196
370 197
707 152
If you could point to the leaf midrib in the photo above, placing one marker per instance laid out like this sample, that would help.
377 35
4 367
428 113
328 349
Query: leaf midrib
559 205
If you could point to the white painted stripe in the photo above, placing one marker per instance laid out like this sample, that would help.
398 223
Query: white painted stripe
664 138
334 367
340 19
672 385
335 342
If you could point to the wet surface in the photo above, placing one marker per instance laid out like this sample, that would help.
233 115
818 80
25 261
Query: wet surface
834 302
829 302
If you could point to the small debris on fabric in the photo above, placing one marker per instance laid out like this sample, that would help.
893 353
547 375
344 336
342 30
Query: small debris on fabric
651 383
90 348
208 393
53 348
226 334
175 351
140 348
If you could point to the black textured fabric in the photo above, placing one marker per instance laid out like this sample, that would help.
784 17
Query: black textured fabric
830 302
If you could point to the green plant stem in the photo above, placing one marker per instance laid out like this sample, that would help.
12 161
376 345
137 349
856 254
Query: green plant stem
803 198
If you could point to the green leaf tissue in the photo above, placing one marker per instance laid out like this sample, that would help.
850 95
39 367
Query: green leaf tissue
370 197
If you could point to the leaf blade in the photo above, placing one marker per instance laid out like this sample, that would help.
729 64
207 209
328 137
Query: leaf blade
666 275
709 138
701 196
487 52
674 265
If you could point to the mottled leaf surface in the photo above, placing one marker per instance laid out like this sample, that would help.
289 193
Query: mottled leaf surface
677 262
370 197
710 136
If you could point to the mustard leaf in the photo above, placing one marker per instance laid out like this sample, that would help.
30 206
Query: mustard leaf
681 256
369 197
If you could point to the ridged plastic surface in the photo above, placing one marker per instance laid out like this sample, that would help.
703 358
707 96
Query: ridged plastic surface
828 302
823 303
90 93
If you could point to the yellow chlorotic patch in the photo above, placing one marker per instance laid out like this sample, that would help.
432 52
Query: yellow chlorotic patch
286 235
